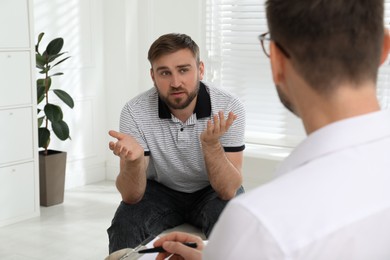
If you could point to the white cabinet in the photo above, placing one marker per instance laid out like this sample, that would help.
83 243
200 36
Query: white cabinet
15 78
16 190
17 135
19 176
14 24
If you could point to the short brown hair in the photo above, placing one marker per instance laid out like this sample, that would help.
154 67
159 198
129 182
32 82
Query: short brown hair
172 42
330 41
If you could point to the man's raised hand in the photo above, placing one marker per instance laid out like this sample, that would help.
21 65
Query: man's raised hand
126 147
217 129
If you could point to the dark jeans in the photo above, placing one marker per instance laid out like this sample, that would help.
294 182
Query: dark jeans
162 208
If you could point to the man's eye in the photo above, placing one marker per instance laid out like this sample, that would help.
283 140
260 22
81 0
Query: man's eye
183 70
164 73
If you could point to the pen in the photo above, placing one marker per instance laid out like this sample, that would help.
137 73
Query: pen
159 249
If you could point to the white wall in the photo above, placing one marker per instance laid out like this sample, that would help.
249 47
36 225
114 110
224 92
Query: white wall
122 79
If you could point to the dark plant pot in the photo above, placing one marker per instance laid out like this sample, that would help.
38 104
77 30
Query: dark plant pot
52 177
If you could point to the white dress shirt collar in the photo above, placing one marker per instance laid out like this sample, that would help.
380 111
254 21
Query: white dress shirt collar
337 136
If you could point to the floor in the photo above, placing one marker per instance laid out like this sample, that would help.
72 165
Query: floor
75 229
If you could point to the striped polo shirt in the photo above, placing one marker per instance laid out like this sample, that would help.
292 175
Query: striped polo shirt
174 147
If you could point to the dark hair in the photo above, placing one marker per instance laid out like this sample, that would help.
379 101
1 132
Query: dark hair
172 42
329 40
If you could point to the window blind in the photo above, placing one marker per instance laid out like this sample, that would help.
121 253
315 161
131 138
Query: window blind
383 84
235 61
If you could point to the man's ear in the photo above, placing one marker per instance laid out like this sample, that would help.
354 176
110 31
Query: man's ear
201 70
277 64
386 46
152 74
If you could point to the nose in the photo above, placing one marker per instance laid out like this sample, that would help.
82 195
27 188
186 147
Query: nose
175 80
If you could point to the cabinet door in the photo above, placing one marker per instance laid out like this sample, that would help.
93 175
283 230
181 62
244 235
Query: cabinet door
15 78
14 24
16 190
16 135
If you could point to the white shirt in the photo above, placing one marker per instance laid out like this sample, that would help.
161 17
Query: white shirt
331 201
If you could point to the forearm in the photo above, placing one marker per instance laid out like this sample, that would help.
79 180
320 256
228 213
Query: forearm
131 181
225 178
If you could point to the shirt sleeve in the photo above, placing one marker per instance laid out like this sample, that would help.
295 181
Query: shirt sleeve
238 234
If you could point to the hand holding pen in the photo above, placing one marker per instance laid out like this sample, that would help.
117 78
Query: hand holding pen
178 244
160 249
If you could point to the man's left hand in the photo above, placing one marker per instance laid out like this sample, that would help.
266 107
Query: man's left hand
217 129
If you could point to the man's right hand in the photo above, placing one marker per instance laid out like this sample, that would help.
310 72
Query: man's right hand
126 147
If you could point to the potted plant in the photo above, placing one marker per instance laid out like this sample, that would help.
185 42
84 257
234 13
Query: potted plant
52 163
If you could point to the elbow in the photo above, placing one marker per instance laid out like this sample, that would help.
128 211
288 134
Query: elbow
131 196
227 195
230 192
132 199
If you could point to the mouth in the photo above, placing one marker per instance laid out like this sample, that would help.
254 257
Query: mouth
177 94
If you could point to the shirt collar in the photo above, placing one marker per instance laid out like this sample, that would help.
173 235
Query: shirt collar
202 107
337 136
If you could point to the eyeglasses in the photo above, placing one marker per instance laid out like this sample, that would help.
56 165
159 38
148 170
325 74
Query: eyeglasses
266 37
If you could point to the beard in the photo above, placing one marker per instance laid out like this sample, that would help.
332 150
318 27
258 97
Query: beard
285 101
180 102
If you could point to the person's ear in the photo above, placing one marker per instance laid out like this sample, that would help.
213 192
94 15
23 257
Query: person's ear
201 70
277 63
386 46
152 74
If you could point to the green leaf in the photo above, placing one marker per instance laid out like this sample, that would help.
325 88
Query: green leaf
61 130
40 121
40 61
41 90
46 69
40 93
53 57
43 137
40 82
61 61
40 36
57 74
53 113
43 82
64 97
39 66
55 46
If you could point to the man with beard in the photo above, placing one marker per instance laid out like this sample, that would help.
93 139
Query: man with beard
180 146
332 197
